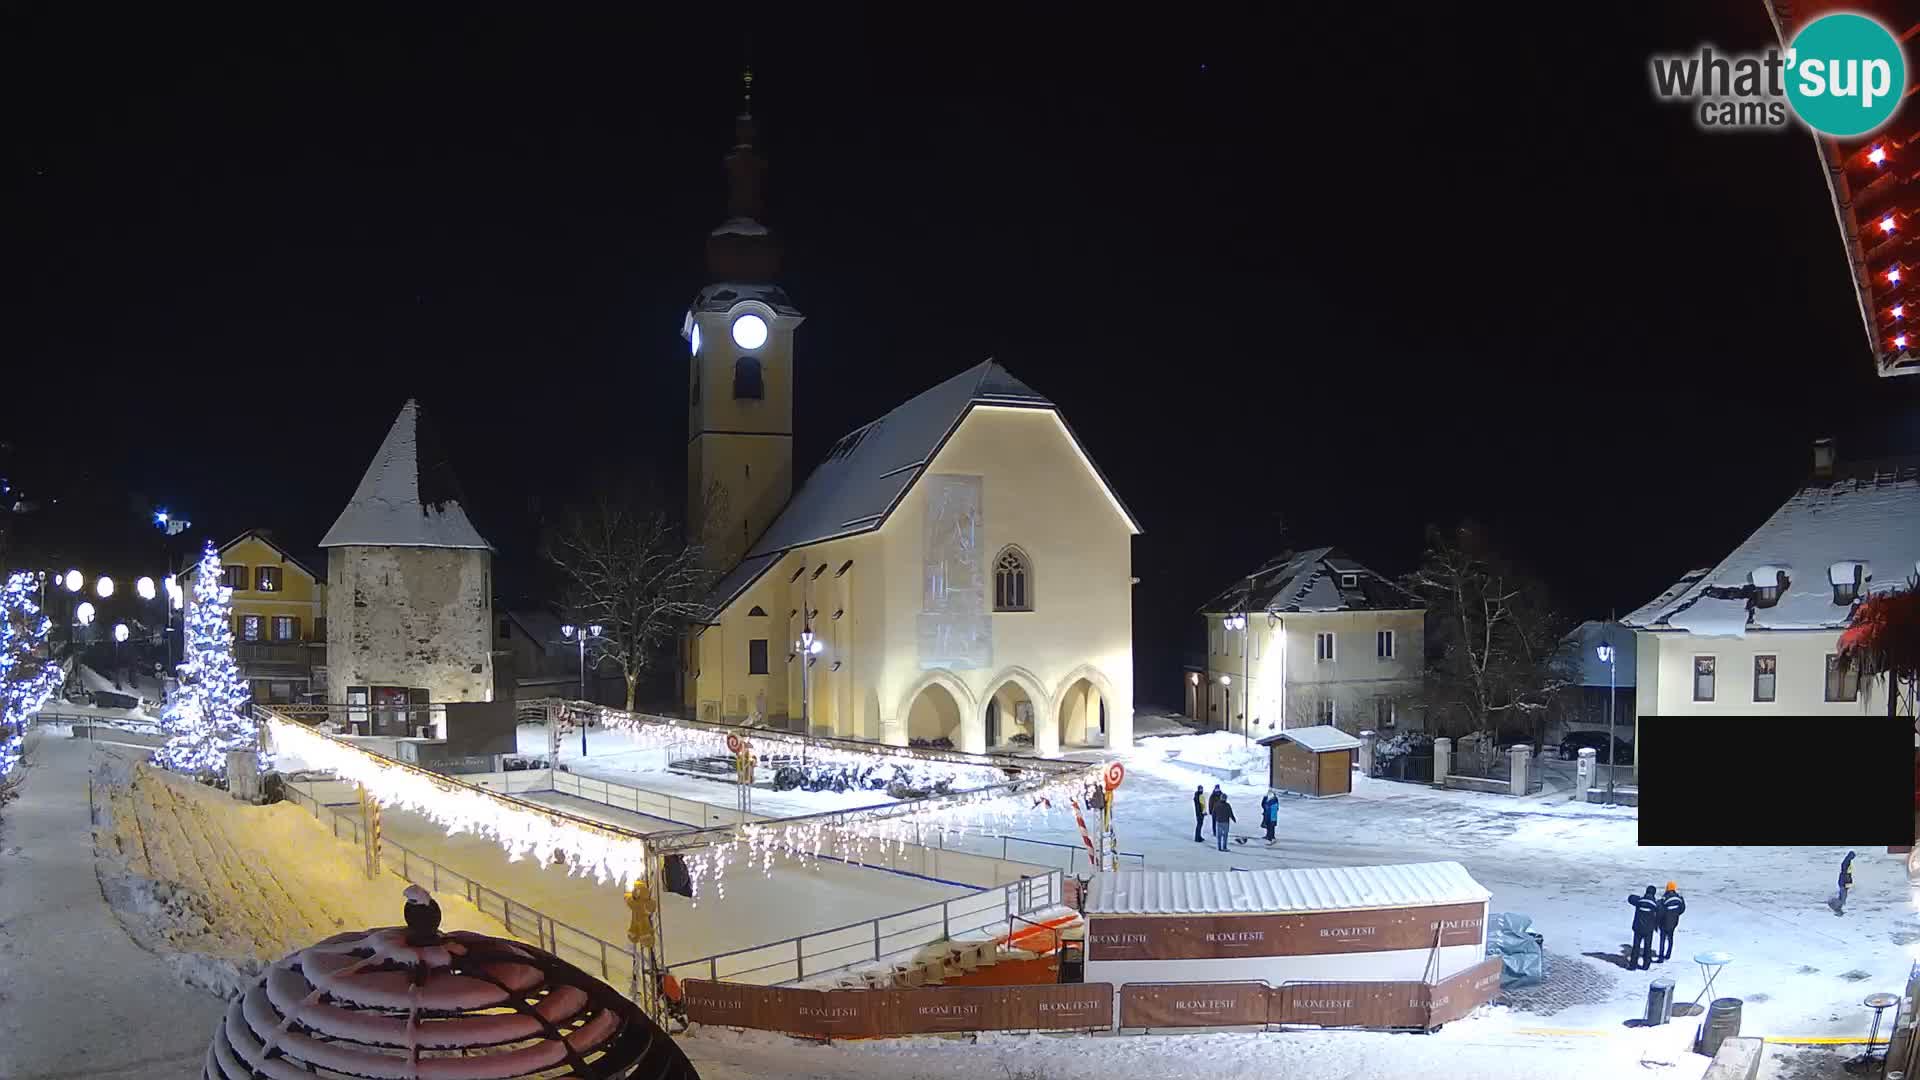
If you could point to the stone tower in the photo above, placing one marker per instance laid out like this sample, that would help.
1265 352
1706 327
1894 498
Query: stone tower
740 381
410 585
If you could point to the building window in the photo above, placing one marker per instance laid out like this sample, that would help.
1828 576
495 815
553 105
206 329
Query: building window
757 656
252 627
1328 711
1383 644
1323 646
319 630
1214 633
1384 714
1012 581
266 578
1842 684
746 379
1764 668
757 612
1703 678
1349 581
506 628
234 577
286 628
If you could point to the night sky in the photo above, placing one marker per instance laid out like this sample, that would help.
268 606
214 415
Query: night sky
1354 276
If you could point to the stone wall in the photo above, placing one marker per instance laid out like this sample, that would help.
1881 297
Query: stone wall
409 616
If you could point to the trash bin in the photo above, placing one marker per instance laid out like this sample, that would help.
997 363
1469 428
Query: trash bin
1721 1024
1660 1001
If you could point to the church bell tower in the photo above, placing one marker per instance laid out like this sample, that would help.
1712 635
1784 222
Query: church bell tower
739 331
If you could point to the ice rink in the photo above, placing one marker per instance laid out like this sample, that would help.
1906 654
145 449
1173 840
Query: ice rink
757 908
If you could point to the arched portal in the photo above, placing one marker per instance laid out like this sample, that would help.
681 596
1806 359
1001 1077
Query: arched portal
1083 714
1012 717
933 716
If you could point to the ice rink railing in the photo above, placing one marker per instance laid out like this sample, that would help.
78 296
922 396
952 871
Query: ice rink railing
872 941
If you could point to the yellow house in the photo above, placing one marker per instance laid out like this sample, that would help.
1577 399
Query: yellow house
957 570
279 617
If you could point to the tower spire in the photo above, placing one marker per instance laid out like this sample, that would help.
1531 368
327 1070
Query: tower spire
742 249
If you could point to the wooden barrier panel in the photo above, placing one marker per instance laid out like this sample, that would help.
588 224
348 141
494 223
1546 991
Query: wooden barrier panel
1457 995
1212 937
1351 1004
855 1014
1170 1005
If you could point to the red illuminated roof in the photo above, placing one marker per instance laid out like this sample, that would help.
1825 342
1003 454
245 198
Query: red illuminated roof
1875 182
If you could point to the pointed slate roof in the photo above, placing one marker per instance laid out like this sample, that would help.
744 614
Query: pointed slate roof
868 472
409 497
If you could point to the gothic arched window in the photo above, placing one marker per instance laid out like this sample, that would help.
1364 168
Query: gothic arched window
1012 580
746 378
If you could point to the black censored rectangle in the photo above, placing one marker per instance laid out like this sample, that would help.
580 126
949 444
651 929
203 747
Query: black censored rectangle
1772 781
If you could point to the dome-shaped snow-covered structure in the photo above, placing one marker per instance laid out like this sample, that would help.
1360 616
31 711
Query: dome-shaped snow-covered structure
412 1003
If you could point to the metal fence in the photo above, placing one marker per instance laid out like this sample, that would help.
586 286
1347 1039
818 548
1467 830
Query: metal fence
878 939
654 804
1408 768
613 964
1476 765
1075 854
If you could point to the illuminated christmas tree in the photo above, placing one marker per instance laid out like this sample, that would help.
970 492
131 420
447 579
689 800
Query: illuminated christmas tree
209 714
28 676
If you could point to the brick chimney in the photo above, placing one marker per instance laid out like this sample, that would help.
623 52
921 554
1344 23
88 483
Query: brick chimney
1823 459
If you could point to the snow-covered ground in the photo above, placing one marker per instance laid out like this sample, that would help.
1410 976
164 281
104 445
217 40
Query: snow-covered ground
1488 1047
1800 969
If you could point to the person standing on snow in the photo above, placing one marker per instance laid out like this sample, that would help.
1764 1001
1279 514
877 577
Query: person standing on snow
1839 901
1672 906
1270 813
1222 821
1199 811
1646 916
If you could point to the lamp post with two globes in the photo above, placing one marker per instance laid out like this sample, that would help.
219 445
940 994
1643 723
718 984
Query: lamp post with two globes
579 635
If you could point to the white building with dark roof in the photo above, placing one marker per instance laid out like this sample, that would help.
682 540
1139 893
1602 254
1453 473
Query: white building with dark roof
961 568
1759 631
1311 637
410 589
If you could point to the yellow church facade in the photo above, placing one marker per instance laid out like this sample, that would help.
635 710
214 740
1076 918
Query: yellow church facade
956 573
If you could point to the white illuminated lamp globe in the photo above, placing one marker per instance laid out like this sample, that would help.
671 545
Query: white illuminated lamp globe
145 588
104 586
84 613
749 332
694 339
73 581
567 631
119 631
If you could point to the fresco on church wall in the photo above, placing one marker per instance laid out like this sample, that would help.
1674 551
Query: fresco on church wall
955 629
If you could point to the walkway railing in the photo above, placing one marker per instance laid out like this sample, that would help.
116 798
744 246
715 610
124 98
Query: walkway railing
1076 853
612 963
655 804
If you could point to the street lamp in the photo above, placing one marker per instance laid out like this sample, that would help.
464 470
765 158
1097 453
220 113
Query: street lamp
1606 654
579 635
1239 622
104 586
73 581
84 613
145 588
807 648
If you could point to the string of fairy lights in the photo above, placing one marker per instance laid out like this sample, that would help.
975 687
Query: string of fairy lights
871 835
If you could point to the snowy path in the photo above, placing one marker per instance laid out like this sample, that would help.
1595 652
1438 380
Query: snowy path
77 997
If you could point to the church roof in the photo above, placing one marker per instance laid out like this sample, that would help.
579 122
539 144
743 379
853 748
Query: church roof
408 497
868 472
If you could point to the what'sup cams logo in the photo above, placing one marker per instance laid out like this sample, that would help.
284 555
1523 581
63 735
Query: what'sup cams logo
1842 75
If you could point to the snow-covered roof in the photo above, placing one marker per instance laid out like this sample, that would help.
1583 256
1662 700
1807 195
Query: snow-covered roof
722 295
740 226
305 566
1311 580
1870 515
1318 738
868 472
1583 644
409 497
1334 888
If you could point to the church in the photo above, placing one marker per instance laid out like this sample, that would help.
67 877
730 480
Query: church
955 573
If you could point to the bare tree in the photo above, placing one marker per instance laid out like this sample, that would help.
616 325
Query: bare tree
1495 657
630 568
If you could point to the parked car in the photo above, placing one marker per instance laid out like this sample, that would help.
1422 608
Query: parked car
1577 741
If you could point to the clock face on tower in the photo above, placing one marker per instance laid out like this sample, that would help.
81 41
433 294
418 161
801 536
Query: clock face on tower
749 332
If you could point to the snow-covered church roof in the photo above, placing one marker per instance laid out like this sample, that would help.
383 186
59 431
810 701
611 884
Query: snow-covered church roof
408 497
1867 515
868 472
1312 580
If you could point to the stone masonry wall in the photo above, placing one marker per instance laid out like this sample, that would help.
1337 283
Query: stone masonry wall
408 616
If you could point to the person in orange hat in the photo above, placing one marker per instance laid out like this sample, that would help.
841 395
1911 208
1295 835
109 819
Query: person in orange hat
1672 906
